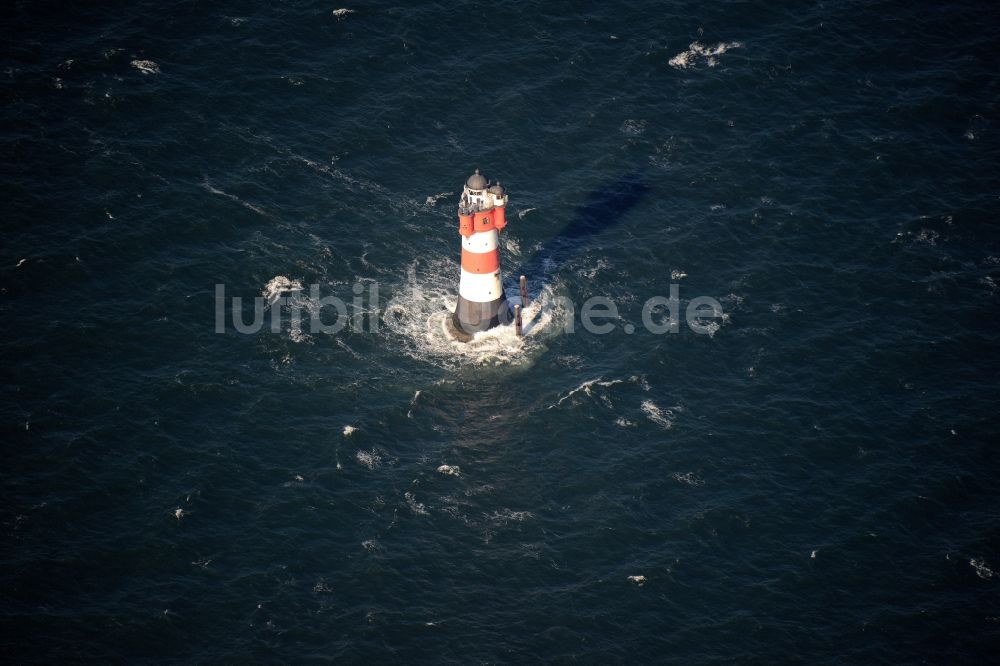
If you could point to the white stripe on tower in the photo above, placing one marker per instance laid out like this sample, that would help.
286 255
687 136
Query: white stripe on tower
483 241
480 288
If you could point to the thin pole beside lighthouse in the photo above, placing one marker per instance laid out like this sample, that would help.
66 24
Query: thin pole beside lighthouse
482 304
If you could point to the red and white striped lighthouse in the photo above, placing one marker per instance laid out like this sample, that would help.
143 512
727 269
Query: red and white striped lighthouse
481 301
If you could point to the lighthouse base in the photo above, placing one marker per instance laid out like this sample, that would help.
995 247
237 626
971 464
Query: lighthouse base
471 317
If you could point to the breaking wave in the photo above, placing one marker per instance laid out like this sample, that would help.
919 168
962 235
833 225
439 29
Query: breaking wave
146 66
660 416
698 54
278 286
416 318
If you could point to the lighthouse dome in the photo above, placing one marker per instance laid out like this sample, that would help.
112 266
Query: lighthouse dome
476 181
497 190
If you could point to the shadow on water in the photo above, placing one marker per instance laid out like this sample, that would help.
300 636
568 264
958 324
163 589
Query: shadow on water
603 209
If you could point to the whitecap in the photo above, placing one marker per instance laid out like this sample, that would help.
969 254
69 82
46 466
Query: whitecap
296 335
661 417
349 430
591 272
433 199
370 459
682 60
699 53
341 13
146 66
689 478
587 388
279 285
415 506
232 197
504 516
634 127
450 470
981 569
510 245
413 403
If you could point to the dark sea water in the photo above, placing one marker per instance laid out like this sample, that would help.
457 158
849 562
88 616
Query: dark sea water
814 482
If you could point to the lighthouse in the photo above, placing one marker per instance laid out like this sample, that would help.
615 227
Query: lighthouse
481 301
